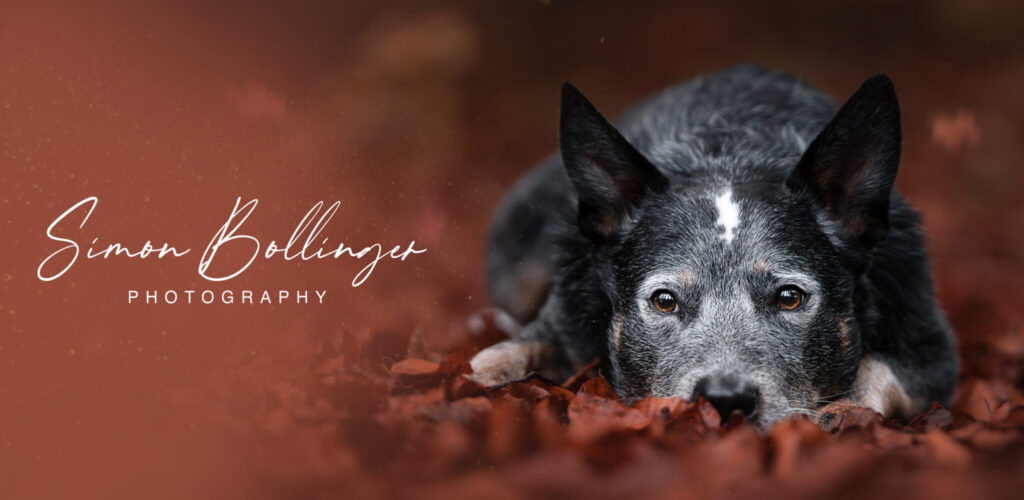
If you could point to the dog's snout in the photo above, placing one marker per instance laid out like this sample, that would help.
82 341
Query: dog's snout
728 393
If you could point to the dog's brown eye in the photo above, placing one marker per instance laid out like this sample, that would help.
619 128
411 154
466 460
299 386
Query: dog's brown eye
789 297
664 301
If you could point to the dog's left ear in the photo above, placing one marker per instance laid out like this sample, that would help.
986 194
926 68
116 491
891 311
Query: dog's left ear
850 167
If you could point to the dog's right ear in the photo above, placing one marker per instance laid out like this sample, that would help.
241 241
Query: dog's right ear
610 176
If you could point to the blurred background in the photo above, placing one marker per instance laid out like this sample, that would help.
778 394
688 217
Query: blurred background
417 116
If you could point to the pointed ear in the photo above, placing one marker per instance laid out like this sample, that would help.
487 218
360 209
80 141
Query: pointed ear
610 176
850 167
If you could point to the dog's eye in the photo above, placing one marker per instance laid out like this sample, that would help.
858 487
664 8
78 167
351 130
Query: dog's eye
789 297
664 301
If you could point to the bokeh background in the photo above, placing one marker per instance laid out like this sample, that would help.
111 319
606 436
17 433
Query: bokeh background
417 116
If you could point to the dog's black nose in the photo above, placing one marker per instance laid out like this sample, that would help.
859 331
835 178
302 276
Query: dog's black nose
728 393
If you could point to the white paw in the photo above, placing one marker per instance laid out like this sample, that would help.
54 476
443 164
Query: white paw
502 363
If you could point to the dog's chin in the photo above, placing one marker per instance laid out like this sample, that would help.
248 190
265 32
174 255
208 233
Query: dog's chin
763 422
772 412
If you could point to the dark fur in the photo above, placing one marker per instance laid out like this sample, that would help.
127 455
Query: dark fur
569 253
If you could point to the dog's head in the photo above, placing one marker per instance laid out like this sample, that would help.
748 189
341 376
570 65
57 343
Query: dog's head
743 293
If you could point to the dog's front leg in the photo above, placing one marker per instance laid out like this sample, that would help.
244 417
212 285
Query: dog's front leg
515 359
876 387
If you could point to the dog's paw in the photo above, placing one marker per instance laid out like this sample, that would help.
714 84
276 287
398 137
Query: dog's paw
844 414
511 360
501 363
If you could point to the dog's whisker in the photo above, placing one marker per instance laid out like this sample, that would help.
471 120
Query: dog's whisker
829 398
789 411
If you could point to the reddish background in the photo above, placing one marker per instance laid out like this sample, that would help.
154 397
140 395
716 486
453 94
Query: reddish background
416 117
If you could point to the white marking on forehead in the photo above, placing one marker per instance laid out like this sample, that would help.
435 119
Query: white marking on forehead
728 214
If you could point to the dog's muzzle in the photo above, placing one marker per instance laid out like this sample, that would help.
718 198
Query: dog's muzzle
728 393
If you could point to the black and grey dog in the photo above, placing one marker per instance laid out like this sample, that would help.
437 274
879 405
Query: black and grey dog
735 238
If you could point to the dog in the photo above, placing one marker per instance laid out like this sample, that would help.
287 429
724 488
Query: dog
734 238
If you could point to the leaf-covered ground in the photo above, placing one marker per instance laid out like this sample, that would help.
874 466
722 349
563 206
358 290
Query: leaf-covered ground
390 418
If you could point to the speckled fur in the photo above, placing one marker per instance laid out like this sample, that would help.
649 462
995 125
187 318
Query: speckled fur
637 213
